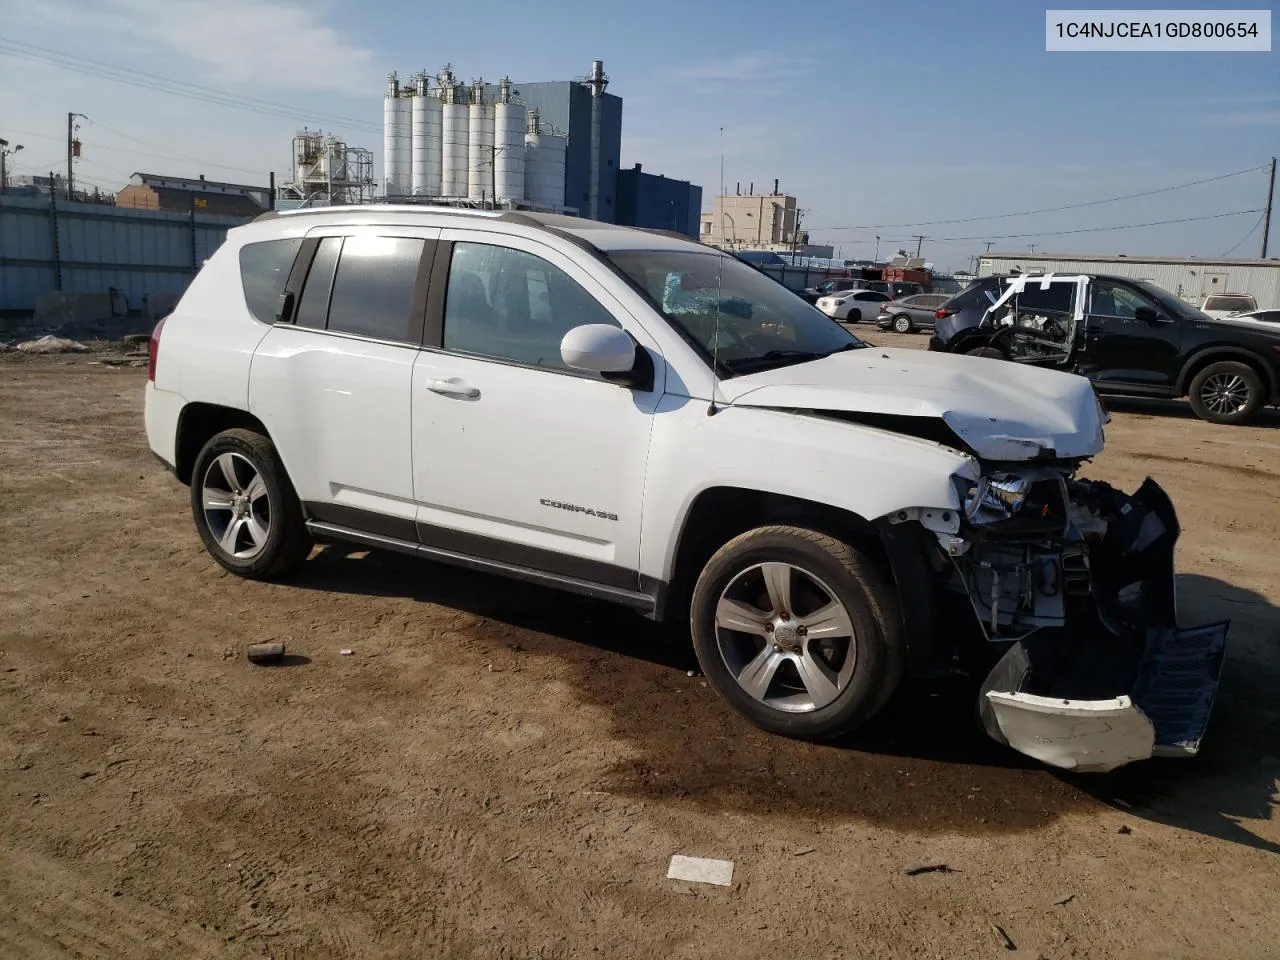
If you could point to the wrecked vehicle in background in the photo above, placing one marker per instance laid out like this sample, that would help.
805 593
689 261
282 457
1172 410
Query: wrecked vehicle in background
1129 337
645 420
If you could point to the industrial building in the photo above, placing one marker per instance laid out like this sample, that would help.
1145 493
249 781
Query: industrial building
552 146
1191 278
761 223
652 200
325 171
149 191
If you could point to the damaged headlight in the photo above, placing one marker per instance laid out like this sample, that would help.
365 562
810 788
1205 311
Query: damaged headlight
995 498
1035 500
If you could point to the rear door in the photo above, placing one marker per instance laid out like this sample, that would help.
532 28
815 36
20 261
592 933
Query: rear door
865 305
1039 322
331 380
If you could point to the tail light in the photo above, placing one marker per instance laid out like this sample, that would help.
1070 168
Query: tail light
942 313
153 350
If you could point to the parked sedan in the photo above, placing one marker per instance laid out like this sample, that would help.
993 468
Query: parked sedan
911 313
853 306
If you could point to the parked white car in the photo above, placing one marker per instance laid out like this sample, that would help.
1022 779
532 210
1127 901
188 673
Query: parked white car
642 419
1221 305
853 306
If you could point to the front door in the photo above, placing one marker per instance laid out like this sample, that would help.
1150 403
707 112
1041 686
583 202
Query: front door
516 458
332 385
1123 351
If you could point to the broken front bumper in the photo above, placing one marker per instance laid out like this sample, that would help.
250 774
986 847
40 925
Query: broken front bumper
1164 714
1121 681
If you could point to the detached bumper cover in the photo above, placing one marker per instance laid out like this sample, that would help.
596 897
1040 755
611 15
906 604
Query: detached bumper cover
1123 682
1165 714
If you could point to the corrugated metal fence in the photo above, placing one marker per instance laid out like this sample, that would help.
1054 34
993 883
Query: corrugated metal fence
49 245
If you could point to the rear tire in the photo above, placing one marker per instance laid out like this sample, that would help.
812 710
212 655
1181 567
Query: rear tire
245 508
1227 392
902 324
797 631
853 316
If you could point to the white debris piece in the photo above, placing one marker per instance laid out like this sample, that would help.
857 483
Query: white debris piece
345 652
701 870
51 344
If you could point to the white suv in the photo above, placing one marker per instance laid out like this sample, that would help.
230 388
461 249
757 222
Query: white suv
636 417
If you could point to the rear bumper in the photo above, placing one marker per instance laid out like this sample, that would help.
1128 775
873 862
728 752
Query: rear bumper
161 410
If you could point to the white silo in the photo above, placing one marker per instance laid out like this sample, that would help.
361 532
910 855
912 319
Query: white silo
426 156
544 165
508 133
395 161
480 145
453 134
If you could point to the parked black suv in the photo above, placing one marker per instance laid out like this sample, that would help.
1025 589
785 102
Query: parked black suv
1130 337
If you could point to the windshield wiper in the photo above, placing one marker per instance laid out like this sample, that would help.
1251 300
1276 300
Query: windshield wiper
782 358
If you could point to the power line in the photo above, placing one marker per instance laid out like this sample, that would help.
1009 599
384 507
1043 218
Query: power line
1122 226
156 83
139 153
1068 206
1063 233
165 154
1252 231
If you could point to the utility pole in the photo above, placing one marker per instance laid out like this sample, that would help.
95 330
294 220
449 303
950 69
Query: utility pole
73 151
4 156
1032 247
876 259
990 244
919 241
1266 216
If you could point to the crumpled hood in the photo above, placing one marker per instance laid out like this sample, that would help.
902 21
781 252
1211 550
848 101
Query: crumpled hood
1003 410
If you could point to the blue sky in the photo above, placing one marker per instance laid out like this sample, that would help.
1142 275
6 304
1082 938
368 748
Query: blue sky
869 113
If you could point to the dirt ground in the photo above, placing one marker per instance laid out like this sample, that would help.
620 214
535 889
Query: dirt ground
502 772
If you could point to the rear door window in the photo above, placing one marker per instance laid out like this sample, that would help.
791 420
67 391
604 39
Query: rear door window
373 289
264 270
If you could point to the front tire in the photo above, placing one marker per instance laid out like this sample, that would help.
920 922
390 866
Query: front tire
797 631
245 508
853 316
991 352
1227 392
902 324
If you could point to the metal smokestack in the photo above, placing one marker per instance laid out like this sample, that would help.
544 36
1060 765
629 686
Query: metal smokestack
597 81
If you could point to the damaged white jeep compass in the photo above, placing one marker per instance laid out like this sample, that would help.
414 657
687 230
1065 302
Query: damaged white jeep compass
633 416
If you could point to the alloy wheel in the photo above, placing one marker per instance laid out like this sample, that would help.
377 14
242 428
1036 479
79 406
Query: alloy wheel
785 637
1225 393
236 506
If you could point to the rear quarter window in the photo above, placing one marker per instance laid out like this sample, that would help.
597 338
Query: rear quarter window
264 270
1229 303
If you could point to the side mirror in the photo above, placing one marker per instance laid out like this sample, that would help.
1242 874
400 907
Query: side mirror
598 347
1147 315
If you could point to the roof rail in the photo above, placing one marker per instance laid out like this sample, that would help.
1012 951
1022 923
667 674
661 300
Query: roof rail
388 207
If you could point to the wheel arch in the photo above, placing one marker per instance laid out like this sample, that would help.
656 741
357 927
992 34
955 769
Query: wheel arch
1203 358
718 514
200 422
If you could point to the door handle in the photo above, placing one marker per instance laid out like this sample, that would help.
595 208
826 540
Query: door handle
454 388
